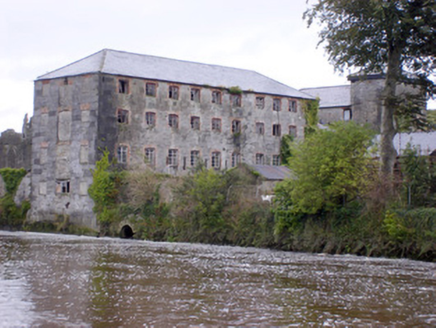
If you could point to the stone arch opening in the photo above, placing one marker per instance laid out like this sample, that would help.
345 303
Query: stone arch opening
126 232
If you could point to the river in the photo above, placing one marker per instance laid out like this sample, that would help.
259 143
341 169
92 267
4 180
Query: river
50 280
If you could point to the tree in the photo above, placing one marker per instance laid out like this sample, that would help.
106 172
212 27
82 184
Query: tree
397 37
329 167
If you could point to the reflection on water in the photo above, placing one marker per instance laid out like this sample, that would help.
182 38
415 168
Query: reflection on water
51 280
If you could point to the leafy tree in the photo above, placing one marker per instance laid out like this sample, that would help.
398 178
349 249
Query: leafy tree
397 37
311 111
329 168
104 190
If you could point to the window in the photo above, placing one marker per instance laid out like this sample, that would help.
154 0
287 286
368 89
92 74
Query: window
150 118
236 126
236 159
123 86
216 124
216 160
277 104
216 97
195 156
173 92
276 130
259 159
260 102
150 89
122 152
195 123
293 131
172 157
276 160
63 186
173 120
122 116
235 100
260 128
347 114
195 94
150 156
292 106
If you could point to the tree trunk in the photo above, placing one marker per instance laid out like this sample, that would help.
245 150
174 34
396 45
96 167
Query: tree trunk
388 154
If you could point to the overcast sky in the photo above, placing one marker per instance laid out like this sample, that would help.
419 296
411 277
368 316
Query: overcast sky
269 37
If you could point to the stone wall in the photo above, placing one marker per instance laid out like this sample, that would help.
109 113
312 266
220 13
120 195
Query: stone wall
64 129
14 150
137 136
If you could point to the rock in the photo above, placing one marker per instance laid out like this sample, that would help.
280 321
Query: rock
23 191
2 187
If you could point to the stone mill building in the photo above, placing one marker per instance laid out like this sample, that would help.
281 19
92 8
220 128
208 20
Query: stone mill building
149 111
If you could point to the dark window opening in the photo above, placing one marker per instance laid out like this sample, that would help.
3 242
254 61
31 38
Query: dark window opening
173 92
173 121
216 97
277 104
195 156
260 128
195 122
276 130
172 157
236 100
260 159
292 106
150 156
195 95
236 126
63 186
150 118
216 124
123 86
150 89
216 160
123 116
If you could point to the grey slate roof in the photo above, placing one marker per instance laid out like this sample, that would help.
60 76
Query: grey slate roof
336 96
172 70
270 172
425 141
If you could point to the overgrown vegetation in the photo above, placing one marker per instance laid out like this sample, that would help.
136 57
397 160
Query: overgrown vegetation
11 215
104 191
336 203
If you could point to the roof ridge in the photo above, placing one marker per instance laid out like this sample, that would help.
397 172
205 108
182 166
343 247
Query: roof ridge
326 87
182 60
70 64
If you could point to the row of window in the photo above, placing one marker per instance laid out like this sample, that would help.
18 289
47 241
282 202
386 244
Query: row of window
173 122
194 158
235 99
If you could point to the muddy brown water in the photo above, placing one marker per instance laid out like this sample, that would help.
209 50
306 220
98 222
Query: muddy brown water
49 280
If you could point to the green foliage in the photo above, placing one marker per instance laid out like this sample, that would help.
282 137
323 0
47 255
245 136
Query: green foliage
11 215
311 115
203 195
394 37
431 118
236 90
419 178
330 168
12 178
412 233
285 148
367 34
105 189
